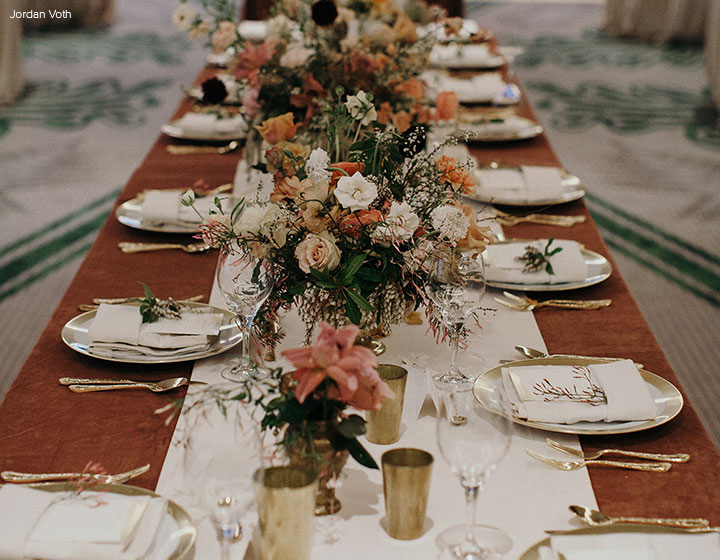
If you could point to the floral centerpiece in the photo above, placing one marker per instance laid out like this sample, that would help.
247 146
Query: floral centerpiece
349 225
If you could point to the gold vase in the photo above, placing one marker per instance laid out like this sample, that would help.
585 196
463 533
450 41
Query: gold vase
320 456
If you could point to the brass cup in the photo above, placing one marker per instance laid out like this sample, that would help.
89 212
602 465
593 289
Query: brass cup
383 426
406 485
286 508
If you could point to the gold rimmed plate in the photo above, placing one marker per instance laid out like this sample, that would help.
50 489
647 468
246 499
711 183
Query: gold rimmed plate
573 189
173 130
501 130
599 269
129 213
177 530
668 400
75 335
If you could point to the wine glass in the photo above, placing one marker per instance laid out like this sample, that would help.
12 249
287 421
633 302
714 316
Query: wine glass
246 281
456 287
473 439
222 451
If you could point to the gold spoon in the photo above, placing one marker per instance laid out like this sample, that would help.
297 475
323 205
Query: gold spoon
596 518
155 387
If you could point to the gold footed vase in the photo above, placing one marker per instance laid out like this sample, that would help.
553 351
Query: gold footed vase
321 457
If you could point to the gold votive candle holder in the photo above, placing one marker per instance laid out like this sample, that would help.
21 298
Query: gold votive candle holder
383 426
406 486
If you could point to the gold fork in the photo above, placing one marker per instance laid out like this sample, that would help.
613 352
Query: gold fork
528 304
506 219
673 457
574 465
127 247
184 150
12 476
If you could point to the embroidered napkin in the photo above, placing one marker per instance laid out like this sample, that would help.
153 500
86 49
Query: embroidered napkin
632 546
565 394
207 124
463 56
528 184
118 329
65 526
568 265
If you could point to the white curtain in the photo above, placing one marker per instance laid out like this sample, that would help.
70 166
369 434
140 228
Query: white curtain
657 20
11 77
712 49
85 13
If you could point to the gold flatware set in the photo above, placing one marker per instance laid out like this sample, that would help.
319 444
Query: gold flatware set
506 219
77 385
25 478
528 304
128 247
186 150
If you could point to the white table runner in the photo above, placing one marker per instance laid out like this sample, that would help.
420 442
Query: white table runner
523 497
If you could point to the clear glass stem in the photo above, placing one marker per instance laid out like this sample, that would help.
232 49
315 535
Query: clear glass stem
471 494
244 323
454 349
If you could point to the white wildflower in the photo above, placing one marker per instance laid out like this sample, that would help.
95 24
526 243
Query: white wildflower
317 166
355 192
360 107
184 16
451 222
188 198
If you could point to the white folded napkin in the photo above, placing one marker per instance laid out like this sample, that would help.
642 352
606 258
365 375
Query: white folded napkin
66 526
164 208
208 124
633 546
253 30
118 329
529 183
464 56
568 265
628 396
481 88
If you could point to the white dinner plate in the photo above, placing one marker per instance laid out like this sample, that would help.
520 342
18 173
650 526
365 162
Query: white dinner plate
178 132
129 213
599 269
177 532
668 400
75 335
501 130
573 189
464 57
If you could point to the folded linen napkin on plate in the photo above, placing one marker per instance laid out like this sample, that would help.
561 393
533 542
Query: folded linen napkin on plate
69 526
509 127
632 546
163 207
569 394
481 88
207 124
118 329
529 183
464 56
568 265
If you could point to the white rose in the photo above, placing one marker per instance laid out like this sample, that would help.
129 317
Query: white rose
401 221
295 56
355 192
250 220
318 251
184 16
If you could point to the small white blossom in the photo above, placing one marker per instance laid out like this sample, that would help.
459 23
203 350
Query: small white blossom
184 16
400 223
188 198
317 166
451 222
355 192
251 220
360 107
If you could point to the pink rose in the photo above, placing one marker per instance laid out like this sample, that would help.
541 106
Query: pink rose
318 251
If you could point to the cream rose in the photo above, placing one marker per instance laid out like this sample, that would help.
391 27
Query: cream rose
318 251
400 223
355 192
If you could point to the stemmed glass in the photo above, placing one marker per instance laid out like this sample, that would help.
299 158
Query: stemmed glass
246 281
473 439
456 287
222 451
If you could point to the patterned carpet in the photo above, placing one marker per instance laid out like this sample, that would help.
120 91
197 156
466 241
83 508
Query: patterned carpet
632 120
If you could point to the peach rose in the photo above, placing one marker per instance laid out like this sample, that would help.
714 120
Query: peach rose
401 120
287 188
276 129
446 105
318 251
477 237
314 220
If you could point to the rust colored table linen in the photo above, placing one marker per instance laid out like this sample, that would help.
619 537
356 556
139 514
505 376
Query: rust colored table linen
46 428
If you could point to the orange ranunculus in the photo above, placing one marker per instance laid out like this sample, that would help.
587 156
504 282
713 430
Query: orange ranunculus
458 177
352 224
275 129
411 87
423 114
477 237
401 120
384 113
446 106
348 167
288 188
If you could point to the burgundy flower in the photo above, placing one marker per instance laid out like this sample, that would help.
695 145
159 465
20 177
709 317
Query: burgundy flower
213 91
324 12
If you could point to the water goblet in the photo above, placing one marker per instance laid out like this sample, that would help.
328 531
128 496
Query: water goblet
456 287
472 439
245 281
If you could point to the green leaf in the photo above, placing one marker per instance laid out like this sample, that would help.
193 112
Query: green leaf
298 288
352 310
148 292
352 426
351 268
369 275
549 268
360 301
360 454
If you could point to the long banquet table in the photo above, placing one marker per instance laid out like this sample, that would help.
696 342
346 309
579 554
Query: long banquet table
46 428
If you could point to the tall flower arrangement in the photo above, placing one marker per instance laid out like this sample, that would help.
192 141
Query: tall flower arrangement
350 224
